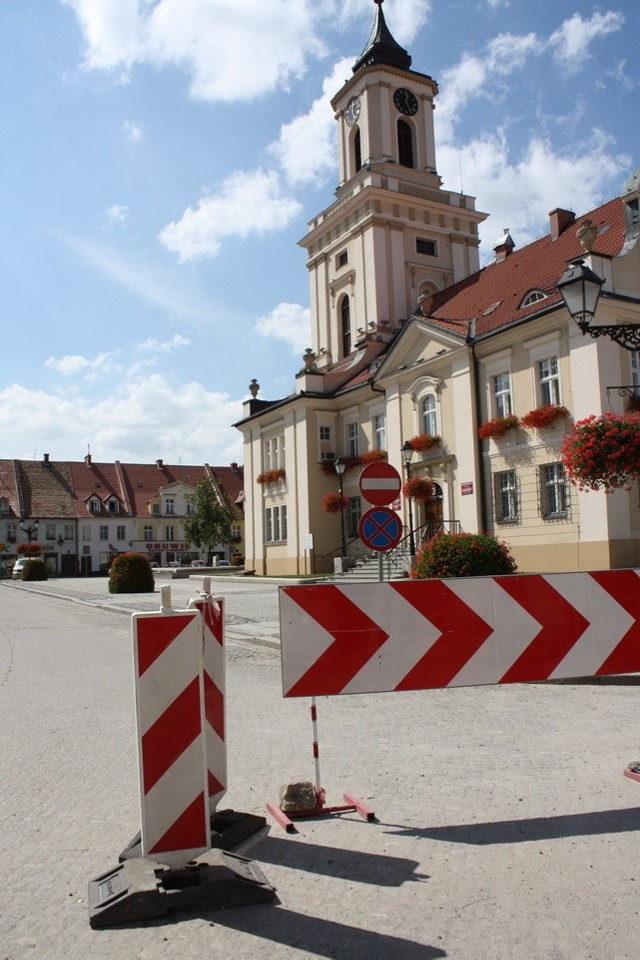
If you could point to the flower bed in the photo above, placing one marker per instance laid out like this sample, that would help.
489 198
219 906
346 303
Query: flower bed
544 416
418 488
334 503
497 427
463 555
603 453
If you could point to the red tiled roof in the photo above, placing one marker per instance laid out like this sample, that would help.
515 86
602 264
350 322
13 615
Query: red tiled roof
493 295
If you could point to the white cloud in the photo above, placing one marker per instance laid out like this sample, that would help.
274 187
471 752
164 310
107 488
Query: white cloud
117 213
571 41
580 181
166 347
496 4
232 50
71 364
247 203
141 280
306 147
137 422
289 322
132 130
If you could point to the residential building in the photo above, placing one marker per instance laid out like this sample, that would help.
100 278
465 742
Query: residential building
409 337
87 512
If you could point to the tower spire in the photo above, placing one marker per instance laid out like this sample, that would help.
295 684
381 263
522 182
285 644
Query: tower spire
381 46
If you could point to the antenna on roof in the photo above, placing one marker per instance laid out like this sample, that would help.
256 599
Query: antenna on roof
460 171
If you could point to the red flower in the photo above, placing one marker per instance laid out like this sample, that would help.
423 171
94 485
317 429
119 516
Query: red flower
603 453
497 427
544 416
334 503
424 441
418 488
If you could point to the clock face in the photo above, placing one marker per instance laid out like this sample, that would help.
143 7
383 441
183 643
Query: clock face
353 111
405 101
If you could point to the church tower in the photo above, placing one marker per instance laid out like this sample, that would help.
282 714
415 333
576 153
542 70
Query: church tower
393 235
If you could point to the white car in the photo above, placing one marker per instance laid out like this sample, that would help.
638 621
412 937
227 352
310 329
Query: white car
18 567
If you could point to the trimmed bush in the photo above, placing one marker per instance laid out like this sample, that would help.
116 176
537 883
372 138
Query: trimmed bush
34 569
131 573
463 555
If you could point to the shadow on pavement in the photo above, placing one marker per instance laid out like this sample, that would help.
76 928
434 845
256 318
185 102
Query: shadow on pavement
333 862
523 831
318 937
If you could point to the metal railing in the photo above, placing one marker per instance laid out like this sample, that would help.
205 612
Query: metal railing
396 562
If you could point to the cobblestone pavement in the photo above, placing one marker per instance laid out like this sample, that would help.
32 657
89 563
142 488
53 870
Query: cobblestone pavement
505 830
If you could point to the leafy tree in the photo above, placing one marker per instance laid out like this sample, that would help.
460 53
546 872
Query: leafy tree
211 520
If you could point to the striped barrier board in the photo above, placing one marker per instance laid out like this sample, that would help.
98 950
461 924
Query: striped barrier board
171 744
212 612
425 634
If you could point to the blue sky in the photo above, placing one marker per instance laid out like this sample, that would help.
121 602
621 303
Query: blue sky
160 159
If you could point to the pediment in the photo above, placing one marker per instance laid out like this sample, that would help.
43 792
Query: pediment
419 344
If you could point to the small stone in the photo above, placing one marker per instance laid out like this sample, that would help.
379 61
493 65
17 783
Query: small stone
295 797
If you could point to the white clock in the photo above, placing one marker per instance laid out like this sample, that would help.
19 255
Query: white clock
352 112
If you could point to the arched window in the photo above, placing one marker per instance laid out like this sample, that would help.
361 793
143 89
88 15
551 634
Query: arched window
534 296
357 151
405 144
429 420
345 326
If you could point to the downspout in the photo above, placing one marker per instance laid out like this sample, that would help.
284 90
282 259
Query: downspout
482 486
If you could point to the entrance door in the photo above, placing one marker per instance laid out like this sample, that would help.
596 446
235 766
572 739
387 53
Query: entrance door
68 566
432 515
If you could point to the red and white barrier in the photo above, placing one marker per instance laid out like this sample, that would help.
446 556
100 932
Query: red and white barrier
212 611
422 634
171 744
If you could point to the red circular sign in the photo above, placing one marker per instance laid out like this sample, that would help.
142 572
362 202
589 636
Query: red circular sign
380 529
380 483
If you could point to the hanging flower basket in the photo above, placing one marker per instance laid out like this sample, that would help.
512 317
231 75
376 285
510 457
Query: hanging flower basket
497 427
603 453
544 416
334 503
372 455
418 488
424 441
271 476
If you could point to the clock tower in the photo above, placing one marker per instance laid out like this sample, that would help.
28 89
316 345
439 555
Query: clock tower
393 235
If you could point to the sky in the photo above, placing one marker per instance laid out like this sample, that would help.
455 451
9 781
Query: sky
161 159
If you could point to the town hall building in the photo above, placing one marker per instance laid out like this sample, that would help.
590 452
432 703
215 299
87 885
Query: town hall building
414 347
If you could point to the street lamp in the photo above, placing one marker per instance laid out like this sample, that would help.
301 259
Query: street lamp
407 453
580 288
340 466
30 529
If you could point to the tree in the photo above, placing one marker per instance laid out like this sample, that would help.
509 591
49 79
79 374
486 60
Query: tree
211 519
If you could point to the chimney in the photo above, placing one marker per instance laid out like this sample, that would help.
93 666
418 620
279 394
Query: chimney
234 465
45 461
160 464
87 459
559 220
504 246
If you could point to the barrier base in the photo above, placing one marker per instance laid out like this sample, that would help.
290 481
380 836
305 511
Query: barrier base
354 804
633 771
138 889
229 830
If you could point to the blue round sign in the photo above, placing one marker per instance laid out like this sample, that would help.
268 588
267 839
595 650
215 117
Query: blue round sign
380 528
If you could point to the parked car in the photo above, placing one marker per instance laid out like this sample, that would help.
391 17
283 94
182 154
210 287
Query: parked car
223 563
154 565
198 563
18 567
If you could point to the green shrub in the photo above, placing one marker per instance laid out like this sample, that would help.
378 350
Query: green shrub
34 569
131 573
463 555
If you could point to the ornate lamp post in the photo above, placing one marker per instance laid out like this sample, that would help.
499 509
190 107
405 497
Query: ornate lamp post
30 529
580 288
407 453
340 466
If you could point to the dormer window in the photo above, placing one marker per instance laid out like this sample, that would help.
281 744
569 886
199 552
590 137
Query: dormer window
534 296
4 506
94 505
113 506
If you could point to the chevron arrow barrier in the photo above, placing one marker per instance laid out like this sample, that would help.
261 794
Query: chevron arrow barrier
425 634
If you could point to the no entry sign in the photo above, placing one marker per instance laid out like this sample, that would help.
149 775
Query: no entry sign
380 483
380 528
